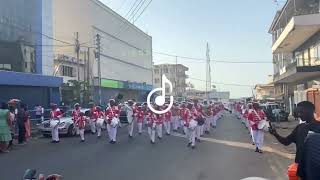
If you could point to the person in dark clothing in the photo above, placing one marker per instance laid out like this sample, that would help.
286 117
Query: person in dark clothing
309 165
21 119
305 110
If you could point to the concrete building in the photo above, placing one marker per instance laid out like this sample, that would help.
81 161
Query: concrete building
264 92
296 49
214 95
175 73
126 56
25 52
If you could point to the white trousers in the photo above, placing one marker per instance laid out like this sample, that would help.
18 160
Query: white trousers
92 125
251 133
159 130
81 132
77 130
191 136
98 130
55 134
258 138
198 132
140 127
176 122
152 133
214 121
167 126
130 128
112 132
207 124
201 129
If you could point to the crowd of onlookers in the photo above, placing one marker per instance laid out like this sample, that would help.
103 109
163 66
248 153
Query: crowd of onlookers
14 119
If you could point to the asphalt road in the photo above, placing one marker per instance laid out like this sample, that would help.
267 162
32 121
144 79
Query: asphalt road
217 157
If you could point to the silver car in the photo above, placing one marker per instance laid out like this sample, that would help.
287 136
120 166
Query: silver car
66 126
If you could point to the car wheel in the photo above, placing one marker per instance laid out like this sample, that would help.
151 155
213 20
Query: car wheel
71 131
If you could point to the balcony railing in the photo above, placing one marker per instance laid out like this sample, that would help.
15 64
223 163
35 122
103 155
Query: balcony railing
291 9
300 62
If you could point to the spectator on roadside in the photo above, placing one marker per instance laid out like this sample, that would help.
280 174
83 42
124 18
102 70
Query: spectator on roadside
13 122
305 111
21 119
5 126
27 123
39 112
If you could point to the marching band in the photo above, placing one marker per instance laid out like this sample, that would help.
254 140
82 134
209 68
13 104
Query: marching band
190 118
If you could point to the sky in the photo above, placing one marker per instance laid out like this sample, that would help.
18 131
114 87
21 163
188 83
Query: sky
236 30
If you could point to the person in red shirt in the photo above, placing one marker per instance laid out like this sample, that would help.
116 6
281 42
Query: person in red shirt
175 117
190 128
93 119
99 117
140 118
75 114
55 115
181 114
151 123
167 120
112 116
159 122
255 117
81 123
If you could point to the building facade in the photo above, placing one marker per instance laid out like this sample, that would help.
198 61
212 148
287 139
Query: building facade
264 92
296 49
176 73
26 64
126 51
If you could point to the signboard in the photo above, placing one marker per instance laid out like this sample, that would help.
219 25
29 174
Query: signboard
107 83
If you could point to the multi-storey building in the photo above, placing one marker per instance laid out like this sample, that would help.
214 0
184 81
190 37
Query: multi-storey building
296 48
176 73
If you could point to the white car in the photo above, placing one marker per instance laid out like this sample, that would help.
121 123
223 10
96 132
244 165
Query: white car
66 126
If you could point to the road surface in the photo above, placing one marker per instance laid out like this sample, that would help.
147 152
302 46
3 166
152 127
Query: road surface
225 154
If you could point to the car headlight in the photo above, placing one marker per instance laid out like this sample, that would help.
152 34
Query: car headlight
61 125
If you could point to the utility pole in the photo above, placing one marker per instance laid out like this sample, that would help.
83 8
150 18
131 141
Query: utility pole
98 54
176 78
77 50
208 73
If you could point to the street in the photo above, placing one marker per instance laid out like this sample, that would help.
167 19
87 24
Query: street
224 154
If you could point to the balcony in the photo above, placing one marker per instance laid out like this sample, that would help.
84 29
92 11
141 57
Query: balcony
294 24
299 71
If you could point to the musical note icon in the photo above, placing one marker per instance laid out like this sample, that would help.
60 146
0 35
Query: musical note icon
160 100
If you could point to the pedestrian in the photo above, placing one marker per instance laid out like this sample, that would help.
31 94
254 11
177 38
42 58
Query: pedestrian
130 117
159 122
215 116
139 117
55 115
151 123
5 126
12 118
255 117
112 115
21 119
92 120
75 115
249 110
182 119
167 120
27 123
99 117
81 124
175 117
39 112
190 125
305 111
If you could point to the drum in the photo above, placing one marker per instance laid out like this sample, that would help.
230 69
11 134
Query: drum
193 124
114 122
54 123
100 122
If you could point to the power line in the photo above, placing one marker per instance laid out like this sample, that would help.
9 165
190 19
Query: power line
143 11
227 84
216 61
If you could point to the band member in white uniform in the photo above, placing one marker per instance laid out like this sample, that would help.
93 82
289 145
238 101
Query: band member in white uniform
76 114
99 117
55 116
92 120
190 125
112 116
140 118
255 116
159 122
81 123
130 116
151 120
175 117
167 121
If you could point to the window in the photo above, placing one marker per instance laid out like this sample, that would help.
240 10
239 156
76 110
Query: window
67 71
156 80
166 70
156 71
5 67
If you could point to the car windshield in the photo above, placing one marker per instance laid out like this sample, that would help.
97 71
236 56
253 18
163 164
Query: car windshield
167 89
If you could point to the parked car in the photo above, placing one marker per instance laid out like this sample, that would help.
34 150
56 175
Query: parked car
271 108
66 126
